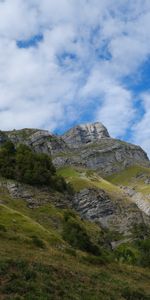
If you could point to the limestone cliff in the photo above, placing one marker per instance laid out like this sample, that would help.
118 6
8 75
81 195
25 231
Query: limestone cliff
90 146
84 134
87 145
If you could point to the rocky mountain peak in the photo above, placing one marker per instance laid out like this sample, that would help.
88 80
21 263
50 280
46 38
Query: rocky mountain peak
85 133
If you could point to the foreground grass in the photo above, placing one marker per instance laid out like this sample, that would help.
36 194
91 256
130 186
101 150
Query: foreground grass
36 263
30 273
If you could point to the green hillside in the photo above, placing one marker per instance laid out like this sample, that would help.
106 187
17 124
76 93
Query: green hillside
83 178
137 177
38 262
47 251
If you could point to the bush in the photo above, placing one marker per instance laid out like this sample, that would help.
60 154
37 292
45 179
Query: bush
24 165
2 228
144 248
77 237
38 242
69 214
127 254
95 260
141 231
33 168
131 294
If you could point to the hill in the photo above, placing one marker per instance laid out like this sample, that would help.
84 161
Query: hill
74 216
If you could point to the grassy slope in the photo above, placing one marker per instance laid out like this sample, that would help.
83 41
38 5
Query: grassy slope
134 176
35 262
83 178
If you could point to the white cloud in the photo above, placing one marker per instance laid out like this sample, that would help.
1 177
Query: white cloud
88 48
117 111
141 129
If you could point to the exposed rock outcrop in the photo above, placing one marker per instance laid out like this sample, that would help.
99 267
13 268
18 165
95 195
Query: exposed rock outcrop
35 197
107 156
87 145
96 205
39 140
142 202
84 134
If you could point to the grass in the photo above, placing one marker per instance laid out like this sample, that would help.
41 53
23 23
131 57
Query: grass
36 263
21 227
81 178
68 172
128 175
133 177
32 279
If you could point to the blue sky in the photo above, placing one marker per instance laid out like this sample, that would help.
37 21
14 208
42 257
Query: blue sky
68 62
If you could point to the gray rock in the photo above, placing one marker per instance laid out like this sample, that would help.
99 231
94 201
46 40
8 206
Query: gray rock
35 197
39 140
84 134
107 156
95 205
87 145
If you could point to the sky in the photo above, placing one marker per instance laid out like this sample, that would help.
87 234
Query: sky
67 62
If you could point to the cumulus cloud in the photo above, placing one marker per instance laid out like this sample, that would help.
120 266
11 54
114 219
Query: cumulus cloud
141 129
80 63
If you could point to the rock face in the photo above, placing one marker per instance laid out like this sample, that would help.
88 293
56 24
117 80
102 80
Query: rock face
39 140
92 147
35 197
107 156
87 145
96 206
142 202
84 134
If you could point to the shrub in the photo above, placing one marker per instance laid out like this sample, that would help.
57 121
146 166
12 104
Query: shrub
95 260
24 165
2 228
127 254
77 237
144 248
38 242
69 214
131 294
141 231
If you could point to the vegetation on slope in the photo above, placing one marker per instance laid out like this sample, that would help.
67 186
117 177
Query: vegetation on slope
44 256
24 165
137 177
130 176
83 178
51 253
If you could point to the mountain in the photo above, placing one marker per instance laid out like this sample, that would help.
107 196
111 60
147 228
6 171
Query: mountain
89 159
87 145
77 237
87 133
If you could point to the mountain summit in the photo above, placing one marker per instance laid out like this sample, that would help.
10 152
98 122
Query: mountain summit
85 133
87 145
76 205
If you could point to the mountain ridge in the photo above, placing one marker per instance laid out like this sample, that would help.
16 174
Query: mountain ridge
84 232
92 140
